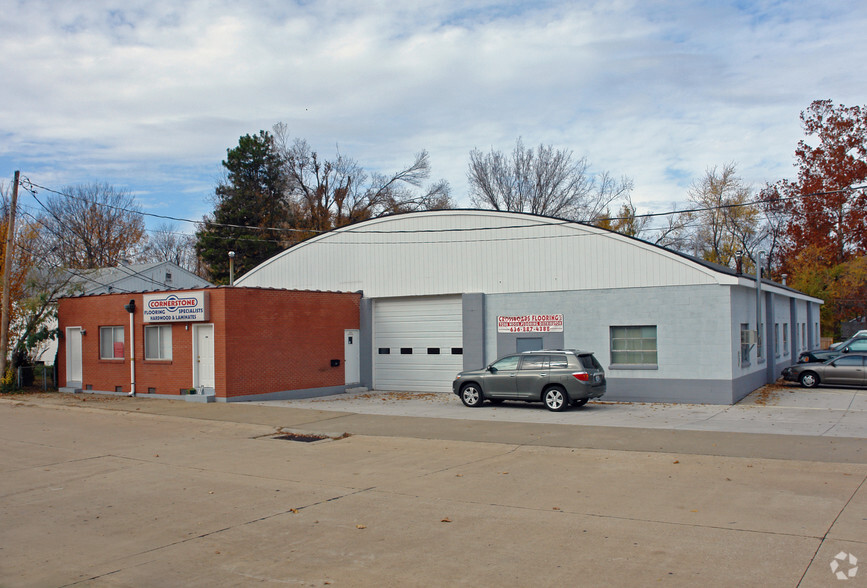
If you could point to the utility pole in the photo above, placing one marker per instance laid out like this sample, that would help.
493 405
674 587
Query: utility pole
7 271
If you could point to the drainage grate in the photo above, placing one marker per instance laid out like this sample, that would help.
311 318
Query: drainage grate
299 437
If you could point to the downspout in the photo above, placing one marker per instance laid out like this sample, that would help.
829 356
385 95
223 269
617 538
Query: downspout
130 308
759 339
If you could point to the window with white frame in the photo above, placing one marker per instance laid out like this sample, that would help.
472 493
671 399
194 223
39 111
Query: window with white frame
634 346
158 342
803 335
111 343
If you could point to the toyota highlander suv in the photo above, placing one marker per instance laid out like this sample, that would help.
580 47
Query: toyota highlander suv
559 378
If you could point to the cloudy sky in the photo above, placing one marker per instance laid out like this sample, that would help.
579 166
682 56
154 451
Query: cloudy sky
148 95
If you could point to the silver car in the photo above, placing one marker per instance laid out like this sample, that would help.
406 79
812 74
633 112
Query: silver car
559 378
846 370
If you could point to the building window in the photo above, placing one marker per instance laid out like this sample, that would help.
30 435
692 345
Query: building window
633 346
457 350
406 350
760 341
111 343
785 338
158 342
803 335
433 350
777 339
385 351
746 344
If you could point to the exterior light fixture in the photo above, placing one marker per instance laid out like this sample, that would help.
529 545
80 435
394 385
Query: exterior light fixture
231 268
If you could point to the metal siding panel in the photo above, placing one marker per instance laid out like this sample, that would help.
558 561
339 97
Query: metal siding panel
493 261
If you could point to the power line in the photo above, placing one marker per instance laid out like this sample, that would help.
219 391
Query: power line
29 186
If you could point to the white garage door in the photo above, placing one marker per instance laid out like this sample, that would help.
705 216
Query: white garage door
417 343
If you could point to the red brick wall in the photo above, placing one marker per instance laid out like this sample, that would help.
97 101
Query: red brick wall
276 340
91 313
265 341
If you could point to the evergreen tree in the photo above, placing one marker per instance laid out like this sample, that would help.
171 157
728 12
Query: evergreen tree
250 208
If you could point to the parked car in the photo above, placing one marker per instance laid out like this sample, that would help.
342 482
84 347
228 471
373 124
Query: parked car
857 335
845 370
559 378
857 344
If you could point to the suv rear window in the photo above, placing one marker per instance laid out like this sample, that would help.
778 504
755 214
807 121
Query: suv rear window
589 362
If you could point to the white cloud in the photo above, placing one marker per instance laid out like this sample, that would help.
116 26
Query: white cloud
151 94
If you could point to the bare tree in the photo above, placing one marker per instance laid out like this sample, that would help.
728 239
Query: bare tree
93 226
545 181
727 220
627 221
167 244
327 194
675 233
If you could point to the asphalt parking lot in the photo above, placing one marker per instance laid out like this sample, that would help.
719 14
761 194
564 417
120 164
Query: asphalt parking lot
115 491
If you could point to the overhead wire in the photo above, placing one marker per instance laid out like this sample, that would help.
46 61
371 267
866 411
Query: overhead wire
30 187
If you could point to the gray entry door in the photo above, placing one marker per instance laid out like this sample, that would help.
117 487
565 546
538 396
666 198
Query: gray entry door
528 344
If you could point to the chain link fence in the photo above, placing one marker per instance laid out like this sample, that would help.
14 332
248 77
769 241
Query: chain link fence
39 376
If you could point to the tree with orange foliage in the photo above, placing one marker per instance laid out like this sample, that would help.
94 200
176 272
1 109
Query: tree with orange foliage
826 210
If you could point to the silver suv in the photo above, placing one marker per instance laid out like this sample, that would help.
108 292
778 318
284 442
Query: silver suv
557 377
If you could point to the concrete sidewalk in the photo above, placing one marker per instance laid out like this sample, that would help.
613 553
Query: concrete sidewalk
112 491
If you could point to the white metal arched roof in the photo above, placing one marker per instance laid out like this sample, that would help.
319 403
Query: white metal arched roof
457 251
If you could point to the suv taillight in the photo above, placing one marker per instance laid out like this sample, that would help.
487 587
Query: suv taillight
583 376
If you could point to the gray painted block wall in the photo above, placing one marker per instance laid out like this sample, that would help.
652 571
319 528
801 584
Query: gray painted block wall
693 342
698 337
365 351
473 309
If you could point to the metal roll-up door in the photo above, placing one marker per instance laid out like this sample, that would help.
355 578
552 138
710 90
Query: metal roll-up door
417 343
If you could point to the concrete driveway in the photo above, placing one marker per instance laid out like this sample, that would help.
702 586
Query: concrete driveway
776 409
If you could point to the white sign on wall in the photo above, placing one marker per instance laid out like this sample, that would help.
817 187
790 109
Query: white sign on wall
530 323
175 307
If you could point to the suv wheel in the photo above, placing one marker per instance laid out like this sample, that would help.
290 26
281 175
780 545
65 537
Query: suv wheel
471 395
555 399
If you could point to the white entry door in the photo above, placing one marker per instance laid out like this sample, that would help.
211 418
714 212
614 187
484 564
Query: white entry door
73 355
351 356
203 356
